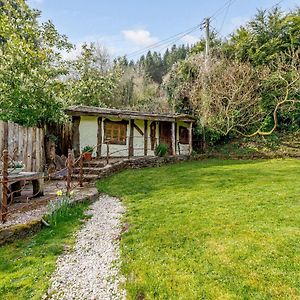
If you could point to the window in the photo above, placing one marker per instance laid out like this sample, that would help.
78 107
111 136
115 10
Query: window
183 135
115 132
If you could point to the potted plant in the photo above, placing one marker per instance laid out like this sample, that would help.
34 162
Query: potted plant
87 152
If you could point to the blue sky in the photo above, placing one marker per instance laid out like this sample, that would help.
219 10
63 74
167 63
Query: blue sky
127 26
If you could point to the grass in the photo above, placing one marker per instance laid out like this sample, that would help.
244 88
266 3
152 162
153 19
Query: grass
211 230
26 265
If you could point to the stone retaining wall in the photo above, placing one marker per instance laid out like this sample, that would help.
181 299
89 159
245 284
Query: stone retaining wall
141 162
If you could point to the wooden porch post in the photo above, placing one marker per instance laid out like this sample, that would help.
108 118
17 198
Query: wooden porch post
173 138
76 135
145 137
99 137
190 138
131 132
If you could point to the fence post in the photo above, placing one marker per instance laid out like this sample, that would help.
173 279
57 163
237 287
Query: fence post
81 171
69 174
5 159
107 152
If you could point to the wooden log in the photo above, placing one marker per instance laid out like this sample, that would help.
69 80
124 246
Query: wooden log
38 150
43 154
29 150
10 139
76 135
190 138
2 124
131 133
21 143
145 137
33 153
176 138
99 137
4 186
173 139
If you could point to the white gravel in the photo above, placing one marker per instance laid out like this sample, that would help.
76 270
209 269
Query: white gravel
91 269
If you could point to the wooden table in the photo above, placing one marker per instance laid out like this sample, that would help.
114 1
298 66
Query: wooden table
16 181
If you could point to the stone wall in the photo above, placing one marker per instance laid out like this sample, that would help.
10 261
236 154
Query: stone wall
141 162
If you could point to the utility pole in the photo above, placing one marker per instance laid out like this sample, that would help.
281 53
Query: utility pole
206 25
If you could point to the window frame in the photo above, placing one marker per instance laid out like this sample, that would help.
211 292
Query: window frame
118 132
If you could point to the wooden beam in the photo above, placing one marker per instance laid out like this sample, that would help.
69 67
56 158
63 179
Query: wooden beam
176 141
99 137
145 137
190 138
173 139
130 144
138 130
76 135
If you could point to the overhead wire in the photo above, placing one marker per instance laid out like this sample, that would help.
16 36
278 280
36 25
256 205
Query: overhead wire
172 39
163 42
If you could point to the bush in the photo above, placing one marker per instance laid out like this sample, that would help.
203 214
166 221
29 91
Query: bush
88 148
161 150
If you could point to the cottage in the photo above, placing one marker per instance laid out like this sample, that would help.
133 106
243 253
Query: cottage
124 133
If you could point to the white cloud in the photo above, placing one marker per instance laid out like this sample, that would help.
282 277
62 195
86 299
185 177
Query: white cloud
190 39
107 42
139 37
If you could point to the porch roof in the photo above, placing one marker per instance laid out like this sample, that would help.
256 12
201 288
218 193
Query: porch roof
126 114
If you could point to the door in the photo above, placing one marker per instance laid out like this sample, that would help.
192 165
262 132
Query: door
165 135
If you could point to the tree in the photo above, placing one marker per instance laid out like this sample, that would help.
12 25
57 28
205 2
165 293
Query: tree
267 35
30 66
93 80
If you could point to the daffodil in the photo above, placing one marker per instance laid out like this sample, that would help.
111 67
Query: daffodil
59 193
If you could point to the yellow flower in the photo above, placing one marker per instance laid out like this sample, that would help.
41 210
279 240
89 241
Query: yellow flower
59 193
71 193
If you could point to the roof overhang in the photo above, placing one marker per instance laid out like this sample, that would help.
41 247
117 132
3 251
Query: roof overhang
126 114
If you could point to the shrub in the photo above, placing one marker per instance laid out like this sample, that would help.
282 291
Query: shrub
161 150
88 148
59 208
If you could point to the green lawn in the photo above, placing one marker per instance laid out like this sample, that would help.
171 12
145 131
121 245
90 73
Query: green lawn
211 230
26 265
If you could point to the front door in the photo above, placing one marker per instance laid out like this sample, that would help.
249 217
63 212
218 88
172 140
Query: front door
165 135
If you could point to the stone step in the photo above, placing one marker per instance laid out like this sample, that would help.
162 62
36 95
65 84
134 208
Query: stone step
86 177
89 170
94 164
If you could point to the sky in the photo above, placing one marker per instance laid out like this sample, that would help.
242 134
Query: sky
124 27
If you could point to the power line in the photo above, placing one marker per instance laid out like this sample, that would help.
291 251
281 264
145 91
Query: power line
175 40
225 15
172 39
165 41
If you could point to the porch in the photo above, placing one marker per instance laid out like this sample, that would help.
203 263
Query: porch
122 133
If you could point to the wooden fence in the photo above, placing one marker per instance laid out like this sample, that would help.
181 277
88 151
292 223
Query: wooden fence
24 144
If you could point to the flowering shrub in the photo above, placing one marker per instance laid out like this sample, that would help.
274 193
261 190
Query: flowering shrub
59 207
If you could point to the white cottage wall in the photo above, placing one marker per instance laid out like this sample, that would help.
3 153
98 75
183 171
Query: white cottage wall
88 128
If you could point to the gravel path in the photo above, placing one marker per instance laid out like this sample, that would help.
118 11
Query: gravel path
91 269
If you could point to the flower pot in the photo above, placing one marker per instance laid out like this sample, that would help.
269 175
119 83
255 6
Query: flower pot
87 156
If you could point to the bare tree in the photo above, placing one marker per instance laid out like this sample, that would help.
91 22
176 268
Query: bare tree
226 96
